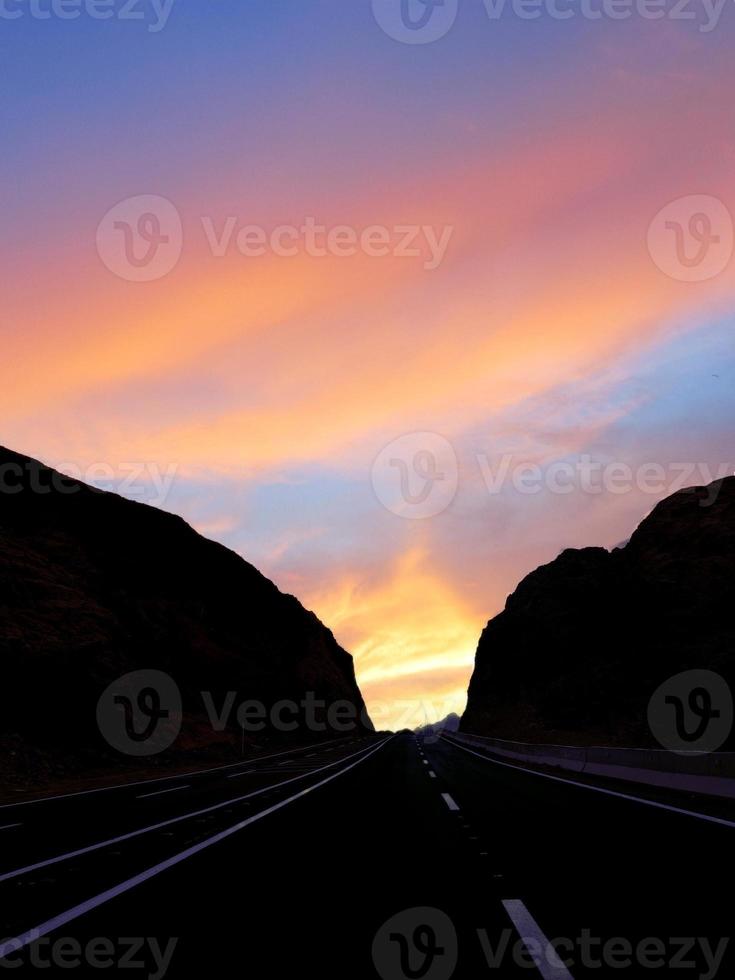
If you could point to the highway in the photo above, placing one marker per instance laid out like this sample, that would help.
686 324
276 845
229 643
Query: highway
310 862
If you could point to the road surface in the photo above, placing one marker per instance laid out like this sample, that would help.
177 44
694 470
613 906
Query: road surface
379 856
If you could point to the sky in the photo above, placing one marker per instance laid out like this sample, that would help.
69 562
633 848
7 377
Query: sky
398 312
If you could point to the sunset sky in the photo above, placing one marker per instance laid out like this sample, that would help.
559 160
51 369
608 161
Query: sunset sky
553 328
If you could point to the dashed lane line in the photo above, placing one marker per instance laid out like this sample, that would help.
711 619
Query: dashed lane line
547 961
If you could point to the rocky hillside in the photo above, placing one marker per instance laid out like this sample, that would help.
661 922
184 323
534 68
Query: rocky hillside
584 641
449 724
93 586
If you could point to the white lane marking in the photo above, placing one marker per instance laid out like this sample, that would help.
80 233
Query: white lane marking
432 774
286 763
600 789
547 962
9 826
449 801
148 782
160 792
13 945
171 820
237 775
425 762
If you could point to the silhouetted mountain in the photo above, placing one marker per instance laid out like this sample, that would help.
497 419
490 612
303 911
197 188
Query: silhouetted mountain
93 586
584 641
448 724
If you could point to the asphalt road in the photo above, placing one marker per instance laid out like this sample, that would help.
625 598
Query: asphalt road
365 857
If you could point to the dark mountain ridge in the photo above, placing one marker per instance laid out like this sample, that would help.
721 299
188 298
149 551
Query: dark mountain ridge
93 586
584 641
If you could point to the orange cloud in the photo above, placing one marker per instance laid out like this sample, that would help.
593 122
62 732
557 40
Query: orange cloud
547 278
320 360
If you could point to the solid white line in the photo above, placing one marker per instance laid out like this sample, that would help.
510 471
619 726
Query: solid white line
148 782
160 792
547 962
287 762
598 789
237 775
13 945
9 826
171 820
449 801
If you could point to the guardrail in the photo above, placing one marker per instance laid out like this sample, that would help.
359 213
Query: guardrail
712 774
